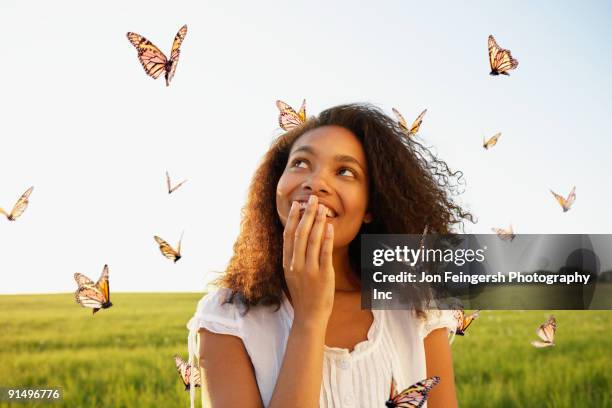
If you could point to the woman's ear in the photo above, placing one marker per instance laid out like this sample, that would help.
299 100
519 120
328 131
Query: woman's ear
367 218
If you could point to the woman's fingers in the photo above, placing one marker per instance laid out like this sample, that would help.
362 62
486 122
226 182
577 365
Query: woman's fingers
289 234
327 250
303 231
314 239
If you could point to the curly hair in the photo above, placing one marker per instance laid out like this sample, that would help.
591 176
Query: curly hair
409 188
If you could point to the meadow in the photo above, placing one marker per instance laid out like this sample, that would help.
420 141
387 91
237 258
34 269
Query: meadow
122 357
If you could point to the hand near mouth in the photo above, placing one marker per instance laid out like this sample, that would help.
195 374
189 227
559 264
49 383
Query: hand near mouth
307 262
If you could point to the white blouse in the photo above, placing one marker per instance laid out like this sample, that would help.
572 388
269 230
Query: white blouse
360 378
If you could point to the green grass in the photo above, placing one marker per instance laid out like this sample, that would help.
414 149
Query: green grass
122 357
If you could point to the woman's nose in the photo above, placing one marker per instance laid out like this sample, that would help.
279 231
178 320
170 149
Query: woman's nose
316 182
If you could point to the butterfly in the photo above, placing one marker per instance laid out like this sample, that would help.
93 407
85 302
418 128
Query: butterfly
167 250
546 332
505 234
88 294
288 118
404 125
566 203
500 59
413 396
189 375
487 144
153 60
20 206
463 321
170 188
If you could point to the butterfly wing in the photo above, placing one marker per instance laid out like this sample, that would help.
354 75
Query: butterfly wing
175 53
500 59
546 332
401 120
570 198
90 296
168 183
560 199
152 59
467 321
288 117
415 395
103 285
187 373
82 280
492 141
166 249
302 111
178 250
20 205
417 123
504 234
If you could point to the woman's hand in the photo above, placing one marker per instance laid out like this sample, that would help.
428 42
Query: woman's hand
307 262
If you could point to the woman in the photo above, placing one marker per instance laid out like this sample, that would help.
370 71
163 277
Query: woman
286 326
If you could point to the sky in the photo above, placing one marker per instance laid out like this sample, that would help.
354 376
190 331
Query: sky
84 125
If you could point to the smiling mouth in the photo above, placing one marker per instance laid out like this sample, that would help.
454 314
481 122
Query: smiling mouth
329 213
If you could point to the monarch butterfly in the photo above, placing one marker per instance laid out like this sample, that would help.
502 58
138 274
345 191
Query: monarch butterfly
413 396
288 118
189 375
88 294
546 332
167 250
566 203
153 60
404 125
463 321
500 59
487 144
170 188
20 206
504 234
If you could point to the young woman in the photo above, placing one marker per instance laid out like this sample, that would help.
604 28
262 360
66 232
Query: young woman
285 328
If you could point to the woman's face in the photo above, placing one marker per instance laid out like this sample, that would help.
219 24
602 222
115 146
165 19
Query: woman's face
330 163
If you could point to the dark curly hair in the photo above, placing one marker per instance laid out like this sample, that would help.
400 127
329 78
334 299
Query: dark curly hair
409 188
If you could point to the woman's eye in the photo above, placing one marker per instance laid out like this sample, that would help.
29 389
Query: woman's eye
299 163
347 172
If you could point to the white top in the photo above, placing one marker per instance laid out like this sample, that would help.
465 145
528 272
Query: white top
361 378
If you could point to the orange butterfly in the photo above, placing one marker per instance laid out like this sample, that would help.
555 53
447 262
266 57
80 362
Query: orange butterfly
487 144
566 203
500 59
288 118
96 296
170 188
463 321
167 250
546 332
412 397
153 60
19 207
189 374
404 125
505 234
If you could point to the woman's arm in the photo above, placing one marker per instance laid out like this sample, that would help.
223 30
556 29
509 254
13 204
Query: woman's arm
227 373
440 362
229 379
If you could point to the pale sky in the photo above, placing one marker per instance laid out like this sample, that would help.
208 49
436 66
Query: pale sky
94 135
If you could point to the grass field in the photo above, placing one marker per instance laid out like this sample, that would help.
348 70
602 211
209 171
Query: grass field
122 357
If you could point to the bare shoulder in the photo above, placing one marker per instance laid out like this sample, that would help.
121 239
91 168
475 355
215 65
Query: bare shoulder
227 372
